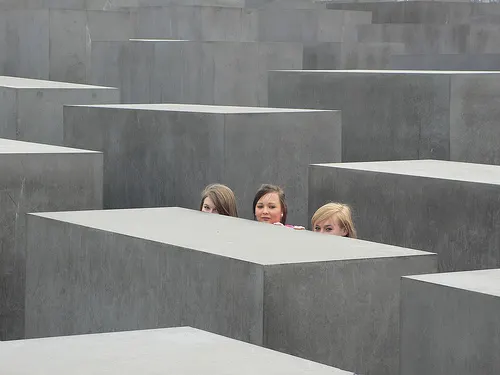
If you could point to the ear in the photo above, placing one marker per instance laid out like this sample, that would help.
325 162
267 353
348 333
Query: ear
344 232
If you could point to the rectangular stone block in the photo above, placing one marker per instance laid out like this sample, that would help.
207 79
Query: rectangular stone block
182 350
56 44
424 12
455 61
450 323
36 178
445 207
164 155
32 110
266 24
319 297
402 114
224 73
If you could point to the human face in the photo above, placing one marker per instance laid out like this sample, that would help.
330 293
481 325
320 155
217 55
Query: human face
268 209
330 226
209 206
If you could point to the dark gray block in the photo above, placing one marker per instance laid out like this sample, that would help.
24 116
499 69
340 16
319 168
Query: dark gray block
172 71
426 12
56 44
446 207
402 114
451 323
319 297
36 178
182 350
164 155
475 62
32 110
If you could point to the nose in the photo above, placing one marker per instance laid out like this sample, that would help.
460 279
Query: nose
265 210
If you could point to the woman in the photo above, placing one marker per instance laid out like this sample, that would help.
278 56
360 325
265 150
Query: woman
269 206
335 219
218 199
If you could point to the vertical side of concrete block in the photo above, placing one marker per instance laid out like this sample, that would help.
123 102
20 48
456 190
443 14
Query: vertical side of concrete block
83 280
342 313
8 113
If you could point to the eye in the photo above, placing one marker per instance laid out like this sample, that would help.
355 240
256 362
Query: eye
329 229
317 229
272 207
206 207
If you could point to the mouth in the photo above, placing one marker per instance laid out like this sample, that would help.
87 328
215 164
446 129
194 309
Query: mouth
265 218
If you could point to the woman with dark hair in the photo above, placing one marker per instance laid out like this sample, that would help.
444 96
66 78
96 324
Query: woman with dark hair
269 206
218 199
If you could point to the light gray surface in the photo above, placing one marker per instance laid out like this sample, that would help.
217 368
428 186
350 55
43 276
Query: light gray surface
181 350
163 155
446 62
32 110
426 12
36 178
222 280
56 44
444 207
450 324
405 114
228 73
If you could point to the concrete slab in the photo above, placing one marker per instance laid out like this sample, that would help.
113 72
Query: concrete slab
223 73
195 145
475 62
32 110
433 114
117 275
446 207
425 12
36 178
180 350
450 323
55 44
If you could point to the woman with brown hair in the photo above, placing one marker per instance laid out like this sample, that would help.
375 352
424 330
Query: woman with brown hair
218 199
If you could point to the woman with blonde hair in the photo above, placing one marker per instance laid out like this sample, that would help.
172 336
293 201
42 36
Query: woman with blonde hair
334 218
218 199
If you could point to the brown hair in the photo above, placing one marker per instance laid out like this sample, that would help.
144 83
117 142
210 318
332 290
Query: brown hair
266 189
341 211
223 198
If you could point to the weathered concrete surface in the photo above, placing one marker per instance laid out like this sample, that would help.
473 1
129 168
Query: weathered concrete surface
98 271
36 178
32 110
455 61
450 323
56 44
402 114
164 155
173 71
445 207
427 12
182 350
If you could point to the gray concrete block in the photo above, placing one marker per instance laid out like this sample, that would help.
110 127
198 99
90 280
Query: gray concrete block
32 110
35 178
445 207
194 145
401 114
477 62
450 323
182 350
55 44
426 12
319 297
173 71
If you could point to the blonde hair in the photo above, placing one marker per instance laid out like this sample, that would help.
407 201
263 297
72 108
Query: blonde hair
341 211
223 198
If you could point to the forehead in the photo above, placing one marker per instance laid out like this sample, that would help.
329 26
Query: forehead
269 198
330 220
208 201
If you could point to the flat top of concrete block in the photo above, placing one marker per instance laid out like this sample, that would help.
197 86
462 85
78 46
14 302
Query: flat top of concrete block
241 239
388 72
182 350
8 146
446 170
483 281
207 42
28 83
198 108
